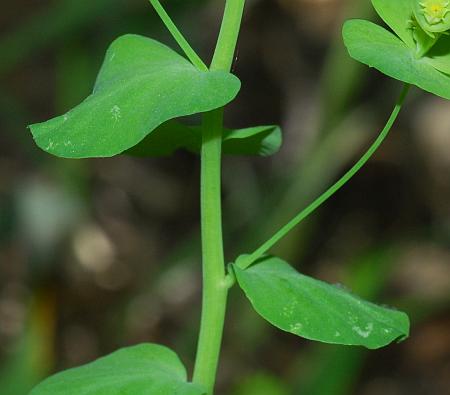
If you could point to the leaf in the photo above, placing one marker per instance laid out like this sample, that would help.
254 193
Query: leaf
439 55
258 140
316 310
396 14
145 369
168 138
172 135
141 84
376 47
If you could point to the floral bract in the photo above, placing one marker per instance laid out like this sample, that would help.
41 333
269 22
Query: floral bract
418 54
435 11
432 15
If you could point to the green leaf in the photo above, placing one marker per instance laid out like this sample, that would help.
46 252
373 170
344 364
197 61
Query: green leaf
376 47
172 135
439 55
142 84
168 138
258 140
316 310
396 14
145 369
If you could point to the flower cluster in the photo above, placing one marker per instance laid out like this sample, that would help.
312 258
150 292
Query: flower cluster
416 51
429 20
434 12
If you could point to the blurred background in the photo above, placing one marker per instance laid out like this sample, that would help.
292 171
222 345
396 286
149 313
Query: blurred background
99 254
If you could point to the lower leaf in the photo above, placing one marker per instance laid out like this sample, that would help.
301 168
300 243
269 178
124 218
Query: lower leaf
145 369
316 310
172 136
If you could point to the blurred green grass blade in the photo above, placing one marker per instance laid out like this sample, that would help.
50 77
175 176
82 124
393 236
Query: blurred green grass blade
33 357
338 89
261 384
51 25
75 73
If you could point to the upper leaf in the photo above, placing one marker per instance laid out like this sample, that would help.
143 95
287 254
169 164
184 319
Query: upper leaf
375 46
146 369
142 84
397 14
172 135
316 310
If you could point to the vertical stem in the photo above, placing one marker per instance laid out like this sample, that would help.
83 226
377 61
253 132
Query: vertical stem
228 36
215 289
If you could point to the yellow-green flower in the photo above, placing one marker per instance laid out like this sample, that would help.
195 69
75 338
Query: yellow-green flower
435 11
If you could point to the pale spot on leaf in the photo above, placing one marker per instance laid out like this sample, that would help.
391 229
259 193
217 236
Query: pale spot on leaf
50 145
116 113
363 332
296 328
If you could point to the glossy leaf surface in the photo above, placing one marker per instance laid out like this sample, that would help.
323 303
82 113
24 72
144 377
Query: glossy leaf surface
316 310
172 135
141 84
146 369
376 47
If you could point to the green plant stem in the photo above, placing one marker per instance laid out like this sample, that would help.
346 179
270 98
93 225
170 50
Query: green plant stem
228 35
214 288
215 285
178 36
247 260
